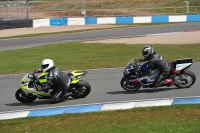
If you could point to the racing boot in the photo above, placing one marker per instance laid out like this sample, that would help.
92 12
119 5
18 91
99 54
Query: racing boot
166 82
64 94
57 97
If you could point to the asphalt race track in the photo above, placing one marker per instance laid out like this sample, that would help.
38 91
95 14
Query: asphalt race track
92 35
105 82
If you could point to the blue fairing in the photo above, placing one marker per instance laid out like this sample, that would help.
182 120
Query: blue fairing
130 72
144 67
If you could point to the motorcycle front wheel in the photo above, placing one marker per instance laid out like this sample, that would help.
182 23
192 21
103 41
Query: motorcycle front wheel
81 89
21 96
127 85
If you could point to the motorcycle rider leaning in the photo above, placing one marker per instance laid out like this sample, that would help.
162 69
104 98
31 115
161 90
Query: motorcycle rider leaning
52 76
155 61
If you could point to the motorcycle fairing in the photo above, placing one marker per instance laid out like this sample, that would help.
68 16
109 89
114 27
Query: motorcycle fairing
154 73
144 67
129 69
76 75
180 64
42 78
148 80
30 89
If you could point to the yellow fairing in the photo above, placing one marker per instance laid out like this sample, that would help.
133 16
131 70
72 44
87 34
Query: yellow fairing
76 75
23 87
42 78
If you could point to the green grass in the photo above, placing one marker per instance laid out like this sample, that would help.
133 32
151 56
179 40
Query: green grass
70 56
167 119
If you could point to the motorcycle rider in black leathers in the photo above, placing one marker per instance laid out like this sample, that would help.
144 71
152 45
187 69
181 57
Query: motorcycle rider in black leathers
155 61
53 78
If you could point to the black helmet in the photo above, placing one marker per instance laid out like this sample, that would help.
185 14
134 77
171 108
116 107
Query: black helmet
147 50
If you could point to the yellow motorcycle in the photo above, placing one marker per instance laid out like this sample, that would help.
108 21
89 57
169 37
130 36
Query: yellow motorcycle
28 93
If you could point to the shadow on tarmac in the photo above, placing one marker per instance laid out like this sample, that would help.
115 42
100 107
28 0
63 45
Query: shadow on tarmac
35 103
145 90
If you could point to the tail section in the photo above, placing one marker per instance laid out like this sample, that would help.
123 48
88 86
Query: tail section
76 75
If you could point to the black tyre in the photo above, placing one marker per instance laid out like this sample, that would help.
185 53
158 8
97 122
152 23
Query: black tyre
187 78
23 97
129 86
81 89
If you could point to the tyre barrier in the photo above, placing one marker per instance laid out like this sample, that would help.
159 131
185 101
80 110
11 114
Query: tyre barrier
12 24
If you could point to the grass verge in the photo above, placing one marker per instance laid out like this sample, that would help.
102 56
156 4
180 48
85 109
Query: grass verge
167 119
76 55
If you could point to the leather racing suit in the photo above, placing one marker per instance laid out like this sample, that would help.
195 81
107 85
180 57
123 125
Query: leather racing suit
158 62
57 80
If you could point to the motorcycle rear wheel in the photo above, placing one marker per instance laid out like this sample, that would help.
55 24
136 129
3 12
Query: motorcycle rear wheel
81 89
129 86
23 97
188 78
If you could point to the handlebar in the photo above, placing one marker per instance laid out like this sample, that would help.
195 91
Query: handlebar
136 61
32 75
